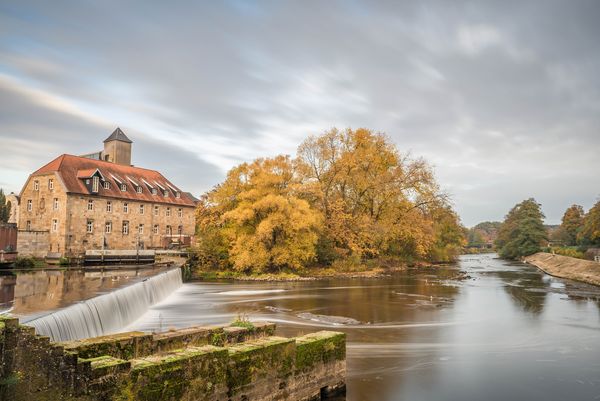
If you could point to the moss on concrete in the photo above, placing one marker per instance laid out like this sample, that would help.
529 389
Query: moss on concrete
167 366
321 347
254 360
123 345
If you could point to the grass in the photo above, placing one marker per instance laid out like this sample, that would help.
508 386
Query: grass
242 321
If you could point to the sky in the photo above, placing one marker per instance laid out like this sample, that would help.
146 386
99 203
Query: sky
502 98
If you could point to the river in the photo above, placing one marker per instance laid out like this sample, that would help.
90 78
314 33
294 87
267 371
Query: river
499 331
484 329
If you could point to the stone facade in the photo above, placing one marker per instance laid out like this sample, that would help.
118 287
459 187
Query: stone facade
83 204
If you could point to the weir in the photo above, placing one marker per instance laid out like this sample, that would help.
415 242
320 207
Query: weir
108 313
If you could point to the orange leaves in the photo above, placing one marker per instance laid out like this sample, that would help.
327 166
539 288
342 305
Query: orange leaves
350 192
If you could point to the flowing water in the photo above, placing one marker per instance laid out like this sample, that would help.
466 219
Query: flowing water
483 330
108 313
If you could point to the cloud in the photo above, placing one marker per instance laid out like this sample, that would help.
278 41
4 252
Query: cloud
504 98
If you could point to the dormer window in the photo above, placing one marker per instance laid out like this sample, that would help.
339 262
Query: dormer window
138 190
123 187
106 185
177 195
95 183
154 191
165 193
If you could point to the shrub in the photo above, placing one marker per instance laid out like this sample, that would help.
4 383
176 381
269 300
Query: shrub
571 252
24 262
63 261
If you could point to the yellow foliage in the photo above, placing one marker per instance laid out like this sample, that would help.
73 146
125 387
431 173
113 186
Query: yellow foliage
348 194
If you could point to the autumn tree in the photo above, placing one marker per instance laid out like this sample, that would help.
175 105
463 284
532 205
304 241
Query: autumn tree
256 220
572 223
449 236
522 231
349 195
374 200
590 231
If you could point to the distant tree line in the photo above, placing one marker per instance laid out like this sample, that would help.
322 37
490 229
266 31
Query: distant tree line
348 197
523 232
483 234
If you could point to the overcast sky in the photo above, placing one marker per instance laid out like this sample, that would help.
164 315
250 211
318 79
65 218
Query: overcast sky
502 98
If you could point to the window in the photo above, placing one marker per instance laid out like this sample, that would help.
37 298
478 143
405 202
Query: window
36 185
169 231
55 204
106 185
54 225
28 225
29 205
180 230
165 193
95 183
141 229
180 212
177 195
125 227
50 183
154 192
123 187
138 190
155 229
141 209
90 226
108 227
168 212
108 206
125 208
90 205
156 210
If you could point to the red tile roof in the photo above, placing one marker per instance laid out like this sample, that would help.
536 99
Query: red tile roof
74 170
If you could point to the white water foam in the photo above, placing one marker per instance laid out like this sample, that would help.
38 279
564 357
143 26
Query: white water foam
108 313
248 292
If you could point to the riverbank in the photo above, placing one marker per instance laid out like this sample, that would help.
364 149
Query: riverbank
314 274
307 275
566 267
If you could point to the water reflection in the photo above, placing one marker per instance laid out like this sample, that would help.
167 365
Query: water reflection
484 329
37 292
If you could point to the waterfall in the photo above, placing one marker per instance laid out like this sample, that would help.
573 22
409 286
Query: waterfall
108 313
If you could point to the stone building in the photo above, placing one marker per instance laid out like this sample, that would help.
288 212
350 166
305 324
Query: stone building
13 200
101 201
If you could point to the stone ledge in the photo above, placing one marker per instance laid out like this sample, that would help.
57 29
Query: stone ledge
261 367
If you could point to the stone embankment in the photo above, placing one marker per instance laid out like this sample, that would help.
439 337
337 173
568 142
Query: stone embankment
197 363
566 267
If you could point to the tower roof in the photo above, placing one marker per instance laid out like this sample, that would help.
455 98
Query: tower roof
118 135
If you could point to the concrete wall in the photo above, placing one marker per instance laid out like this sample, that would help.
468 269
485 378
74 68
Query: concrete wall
199 363
33 243
8 237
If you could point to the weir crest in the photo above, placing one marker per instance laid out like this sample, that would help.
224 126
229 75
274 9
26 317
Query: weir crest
107 313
